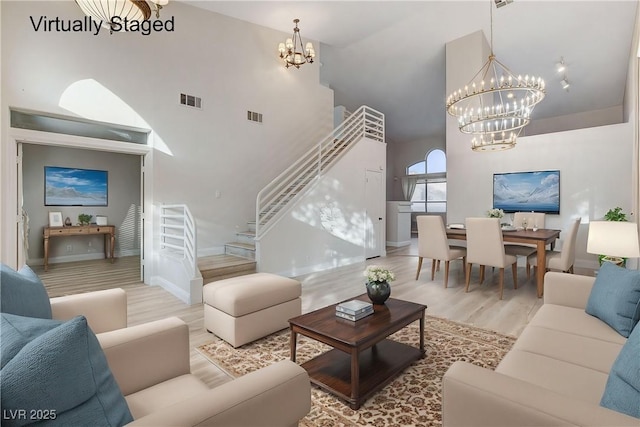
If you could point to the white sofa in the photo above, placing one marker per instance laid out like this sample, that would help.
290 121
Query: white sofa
555 374
151 364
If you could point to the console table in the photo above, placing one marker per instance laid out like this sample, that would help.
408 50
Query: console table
109 232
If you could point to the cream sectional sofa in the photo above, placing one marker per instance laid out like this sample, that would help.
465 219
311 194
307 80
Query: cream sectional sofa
555 374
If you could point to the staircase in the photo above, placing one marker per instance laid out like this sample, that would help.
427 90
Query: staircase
290 184
295 180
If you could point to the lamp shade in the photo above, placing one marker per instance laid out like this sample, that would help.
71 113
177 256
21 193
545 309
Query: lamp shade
613 238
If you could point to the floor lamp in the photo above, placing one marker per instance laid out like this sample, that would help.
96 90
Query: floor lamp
615 240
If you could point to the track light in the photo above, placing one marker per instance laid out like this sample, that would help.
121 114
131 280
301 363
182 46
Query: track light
565 83
560 66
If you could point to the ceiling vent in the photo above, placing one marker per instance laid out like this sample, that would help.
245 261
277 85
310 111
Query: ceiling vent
254 117
191 101
500 3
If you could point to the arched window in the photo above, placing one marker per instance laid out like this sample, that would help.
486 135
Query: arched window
430 194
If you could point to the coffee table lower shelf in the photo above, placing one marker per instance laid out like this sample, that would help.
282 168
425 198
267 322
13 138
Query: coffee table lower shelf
379 365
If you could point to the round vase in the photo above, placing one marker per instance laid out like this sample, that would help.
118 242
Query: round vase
378 292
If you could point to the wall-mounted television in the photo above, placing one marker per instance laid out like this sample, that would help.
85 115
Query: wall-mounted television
75 187
535 191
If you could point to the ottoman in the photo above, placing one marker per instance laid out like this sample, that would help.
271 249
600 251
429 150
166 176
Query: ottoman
244 308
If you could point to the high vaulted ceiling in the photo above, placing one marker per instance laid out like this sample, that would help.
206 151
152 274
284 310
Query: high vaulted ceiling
390 55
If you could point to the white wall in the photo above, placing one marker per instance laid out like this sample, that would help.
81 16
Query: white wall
606 116
595 165
326 227
231 64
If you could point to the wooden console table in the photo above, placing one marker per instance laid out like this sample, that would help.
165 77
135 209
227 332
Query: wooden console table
109 232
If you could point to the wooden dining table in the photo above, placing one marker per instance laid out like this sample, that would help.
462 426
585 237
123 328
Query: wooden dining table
541 238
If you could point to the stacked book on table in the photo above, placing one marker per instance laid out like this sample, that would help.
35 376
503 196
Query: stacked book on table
354 310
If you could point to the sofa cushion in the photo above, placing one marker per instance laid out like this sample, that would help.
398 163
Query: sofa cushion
22 293
622 392
615 298
575 321
57 369
579 350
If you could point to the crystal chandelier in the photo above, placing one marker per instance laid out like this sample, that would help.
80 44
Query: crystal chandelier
292 52
131 10
496 104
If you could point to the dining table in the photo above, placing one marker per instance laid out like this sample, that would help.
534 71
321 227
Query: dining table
540 238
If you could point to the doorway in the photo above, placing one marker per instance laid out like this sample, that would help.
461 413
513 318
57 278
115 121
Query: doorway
374 221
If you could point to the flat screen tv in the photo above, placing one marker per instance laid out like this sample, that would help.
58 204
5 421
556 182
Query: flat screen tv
536 191
75 187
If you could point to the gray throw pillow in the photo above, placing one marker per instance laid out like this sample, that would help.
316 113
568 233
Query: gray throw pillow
615 298
56 372
622 392
22 293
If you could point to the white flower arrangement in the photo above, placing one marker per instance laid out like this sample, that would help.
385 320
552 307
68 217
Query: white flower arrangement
376 273
495 213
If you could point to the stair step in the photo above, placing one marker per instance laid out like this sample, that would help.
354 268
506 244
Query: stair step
248 237
218 267
246 250
252 226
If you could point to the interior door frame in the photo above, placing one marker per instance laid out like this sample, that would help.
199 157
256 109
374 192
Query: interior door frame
25 136
380 216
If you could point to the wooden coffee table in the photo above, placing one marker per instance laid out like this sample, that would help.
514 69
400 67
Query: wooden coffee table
362 360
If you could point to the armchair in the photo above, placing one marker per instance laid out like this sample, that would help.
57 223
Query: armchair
151 364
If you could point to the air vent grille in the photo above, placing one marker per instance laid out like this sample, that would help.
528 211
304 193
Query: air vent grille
254 117
190 101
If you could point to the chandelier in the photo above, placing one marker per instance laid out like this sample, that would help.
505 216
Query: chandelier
496 104
131 10
292 52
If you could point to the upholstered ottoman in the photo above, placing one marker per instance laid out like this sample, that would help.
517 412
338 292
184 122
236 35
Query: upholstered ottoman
244 308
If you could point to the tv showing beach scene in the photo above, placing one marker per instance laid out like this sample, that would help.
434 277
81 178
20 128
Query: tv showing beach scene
75 187
535 191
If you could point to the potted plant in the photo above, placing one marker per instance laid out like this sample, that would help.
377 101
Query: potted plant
84 219
615 214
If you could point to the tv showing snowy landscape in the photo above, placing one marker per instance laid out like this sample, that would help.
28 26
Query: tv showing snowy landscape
75 187
527 191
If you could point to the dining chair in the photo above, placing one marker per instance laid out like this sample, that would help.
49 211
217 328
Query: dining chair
432 243
486 247
532 219
562 260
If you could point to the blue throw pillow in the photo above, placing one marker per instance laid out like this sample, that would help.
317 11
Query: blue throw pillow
615 298
56 372
622 392
22 293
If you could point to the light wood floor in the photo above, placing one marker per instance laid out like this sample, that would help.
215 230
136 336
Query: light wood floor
480 307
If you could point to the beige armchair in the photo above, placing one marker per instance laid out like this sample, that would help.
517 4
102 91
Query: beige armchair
151 364
486 247
432 243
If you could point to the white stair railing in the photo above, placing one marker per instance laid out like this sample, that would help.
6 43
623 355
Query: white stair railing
178 234
364 122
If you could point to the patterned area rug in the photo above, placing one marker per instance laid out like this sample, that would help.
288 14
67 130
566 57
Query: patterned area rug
414 398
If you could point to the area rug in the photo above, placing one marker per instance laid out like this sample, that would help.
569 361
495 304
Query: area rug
414 398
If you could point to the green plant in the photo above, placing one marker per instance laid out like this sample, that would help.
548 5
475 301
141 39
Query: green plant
84 219
615 214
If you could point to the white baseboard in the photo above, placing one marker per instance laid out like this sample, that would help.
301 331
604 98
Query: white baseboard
319 267
181 294
398 244
82 257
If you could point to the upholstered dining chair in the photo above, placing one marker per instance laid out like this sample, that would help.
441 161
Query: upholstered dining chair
533 219
559 260
432 243
486 247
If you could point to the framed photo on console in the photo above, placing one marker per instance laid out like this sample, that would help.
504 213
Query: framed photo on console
55 219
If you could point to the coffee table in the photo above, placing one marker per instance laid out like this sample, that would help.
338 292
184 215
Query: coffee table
363 359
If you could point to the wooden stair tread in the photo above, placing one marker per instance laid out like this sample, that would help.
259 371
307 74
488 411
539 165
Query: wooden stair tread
218 267
242 245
